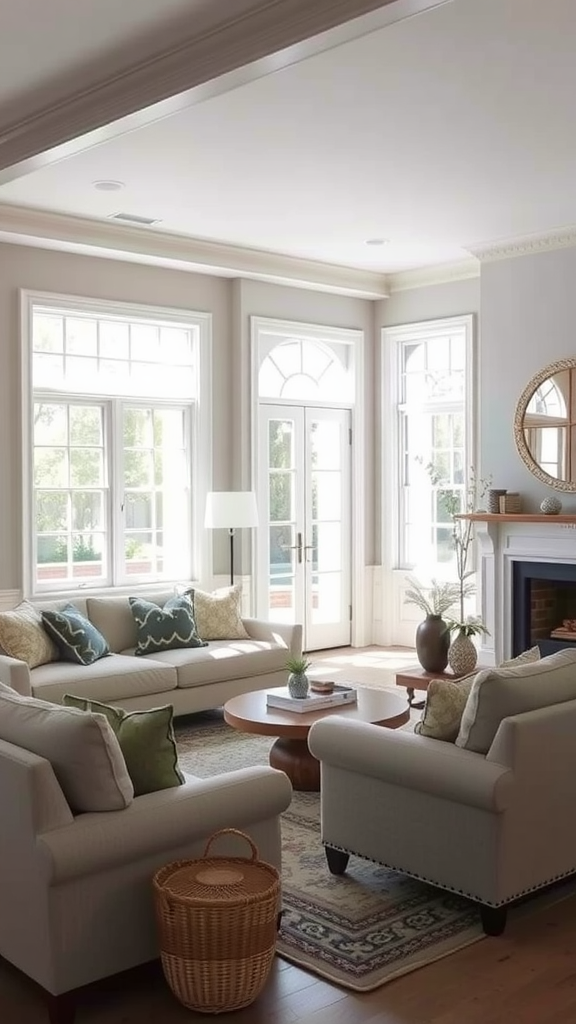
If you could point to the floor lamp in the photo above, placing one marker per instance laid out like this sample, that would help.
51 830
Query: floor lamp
231 510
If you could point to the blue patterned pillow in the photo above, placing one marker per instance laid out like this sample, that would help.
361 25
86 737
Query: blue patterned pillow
167 628
75 636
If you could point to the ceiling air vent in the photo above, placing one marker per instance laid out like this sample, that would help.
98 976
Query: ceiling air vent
132 218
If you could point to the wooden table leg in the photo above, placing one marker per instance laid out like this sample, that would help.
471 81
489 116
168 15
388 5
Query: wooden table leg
301 767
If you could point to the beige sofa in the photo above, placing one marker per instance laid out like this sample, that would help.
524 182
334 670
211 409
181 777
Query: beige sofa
191 679
76 891
489 816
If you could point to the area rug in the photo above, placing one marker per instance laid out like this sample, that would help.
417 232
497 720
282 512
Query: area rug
359 930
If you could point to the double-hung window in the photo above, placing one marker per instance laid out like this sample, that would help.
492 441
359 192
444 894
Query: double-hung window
431 365
110 434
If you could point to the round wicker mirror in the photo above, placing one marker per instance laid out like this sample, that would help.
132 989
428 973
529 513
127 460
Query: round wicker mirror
545 425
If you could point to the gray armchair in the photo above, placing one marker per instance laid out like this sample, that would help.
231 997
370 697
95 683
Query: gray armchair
492 827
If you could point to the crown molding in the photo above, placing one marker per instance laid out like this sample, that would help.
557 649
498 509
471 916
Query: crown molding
266 29
425 277
526 245
27 226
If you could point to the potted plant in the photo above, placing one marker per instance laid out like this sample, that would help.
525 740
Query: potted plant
297 679
462 653
432 635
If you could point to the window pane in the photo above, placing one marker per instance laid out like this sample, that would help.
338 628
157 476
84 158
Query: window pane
87 510
81 336
85 425
86 468
48 333
50 424
51 467
51 511
114 339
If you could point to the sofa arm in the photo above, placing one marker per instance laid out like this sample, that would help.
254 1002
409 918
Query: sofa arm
182 816
404 759
16 674
287 634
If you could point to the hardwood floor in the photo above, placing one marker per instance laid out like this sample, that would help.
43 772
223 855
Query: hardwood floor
526 976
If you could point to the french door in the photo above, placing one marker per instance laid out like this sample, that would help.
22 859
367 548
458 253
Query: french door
303 554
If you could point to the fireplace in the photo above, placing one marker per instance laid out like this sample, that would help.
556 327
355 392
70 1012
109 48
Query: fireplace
526 581
543 600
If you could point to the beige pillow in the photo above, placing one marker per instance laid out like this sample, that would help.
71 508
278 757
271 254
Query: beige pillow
445 703
80 746
23 636
500 692
218 615
446 700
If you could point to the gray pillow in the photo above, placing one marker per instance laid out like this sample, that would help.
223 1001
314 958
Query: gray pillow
164 629
75 636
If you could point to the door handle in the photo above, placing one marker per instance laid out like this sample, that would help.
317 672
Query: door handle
297 547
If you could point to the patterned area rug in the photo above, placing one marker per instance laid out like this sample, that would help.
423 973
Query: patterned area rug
359 930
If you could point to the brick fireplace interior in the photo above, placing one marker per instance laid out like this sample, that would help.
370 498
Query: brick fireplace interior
543 599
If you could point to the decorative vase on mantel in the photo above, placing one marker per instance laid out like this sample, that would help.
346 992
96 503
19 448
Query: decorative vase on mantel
432 643
462 654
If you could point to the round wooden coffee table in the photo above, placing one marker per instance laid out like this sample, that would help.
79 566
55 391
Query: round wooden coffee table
250 713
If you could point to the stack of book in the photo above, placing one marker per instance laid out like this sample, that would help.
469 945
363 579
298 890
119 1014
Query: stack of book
341 694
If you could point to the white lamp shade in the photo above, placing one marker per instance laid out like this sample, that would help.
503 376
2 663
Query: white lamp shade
230 510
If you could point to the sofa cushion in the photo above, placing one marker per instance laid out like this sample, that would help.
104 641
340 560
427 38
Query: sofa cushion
501 692
82 749
146 740
164 629
218 615
446 700
76 637
22 636
110 679
113 617
222 660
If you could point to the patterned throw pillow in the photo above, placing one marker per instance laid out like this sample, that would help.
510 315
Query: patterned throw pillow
146 740
445 703
447 698
218 615
77 639
23 636
164 629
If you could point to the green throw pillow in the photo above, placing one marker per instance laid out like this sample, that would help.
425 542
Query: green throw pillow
146 740
164 629
75 636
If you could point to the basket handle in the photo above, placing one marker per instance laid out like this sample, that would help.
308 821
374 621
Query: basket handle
233 832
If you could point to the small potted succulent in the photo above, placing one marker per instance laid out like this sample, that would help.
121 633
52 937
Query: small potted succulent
298 680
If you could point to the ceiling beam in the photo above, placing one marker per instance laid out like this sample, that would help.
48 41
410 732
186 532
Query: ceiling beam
163 84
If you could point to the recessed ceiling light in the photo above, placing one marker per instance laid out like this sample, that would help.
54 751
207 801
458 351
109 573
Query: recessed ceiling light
377 241
107 185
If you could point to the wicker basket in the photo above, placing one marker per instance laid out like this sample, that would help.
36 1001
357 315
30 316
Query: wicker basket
217 920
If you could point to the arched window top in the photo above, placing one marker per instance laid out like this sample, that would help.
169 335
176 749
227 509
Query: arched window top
300 368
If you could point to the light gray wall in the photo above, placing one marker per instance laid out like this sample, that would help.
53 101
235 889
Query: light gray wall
528 318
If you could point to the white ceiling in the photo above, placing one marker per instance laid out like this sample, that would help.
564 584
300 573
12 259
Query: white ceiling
441 133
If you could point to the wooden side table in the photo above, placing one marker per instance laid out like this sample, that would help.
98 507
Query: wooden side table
417 679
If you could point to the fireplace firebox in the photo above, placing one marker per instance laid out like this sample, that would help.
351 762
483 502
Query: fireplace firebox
543 604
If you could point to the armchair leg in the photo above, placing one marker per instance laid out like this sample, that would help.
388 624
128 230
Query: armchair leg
337 860
493 919
62 1008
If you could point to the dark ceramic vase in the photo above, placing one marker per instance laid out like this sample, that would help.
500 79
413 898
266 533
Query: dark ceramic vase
432 643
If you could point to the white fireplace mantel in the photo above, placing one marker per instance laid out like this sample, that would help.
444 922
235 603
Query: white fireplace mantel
503 539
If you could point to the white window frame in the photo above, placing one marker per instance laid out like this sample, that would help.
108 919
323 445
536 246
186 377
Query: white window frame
200 420
393 499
